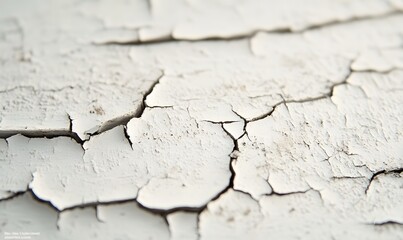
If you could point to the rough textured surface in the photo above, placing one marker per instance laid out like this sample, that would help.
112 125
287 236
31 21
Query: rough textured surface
294 151
108 168
191 119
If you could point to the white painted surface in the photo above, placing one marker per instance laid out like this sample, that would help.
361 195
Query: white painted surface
201 119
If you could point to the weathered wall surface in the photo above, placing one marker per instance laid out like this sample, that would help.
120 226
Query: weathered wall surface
185 119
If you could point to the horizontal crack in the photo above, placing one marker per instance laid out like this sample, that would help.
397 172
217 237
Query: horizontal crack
378 71
49 134
287 193
285 102
250 34
386 223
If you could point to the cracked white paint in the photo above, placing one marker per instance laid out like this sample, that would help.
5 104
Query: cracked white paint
200 19
192 160
23 214
252 85
293 150
189 158
233 215
247 84
236 129
379 60
114 221
92 97
236 215
117 120
25 156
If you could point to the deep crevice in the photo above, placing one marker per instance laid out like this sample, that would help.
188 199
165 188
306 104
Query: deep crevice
245 122
386 223
136 114
144 105
13 195
127 136
376 174
49 134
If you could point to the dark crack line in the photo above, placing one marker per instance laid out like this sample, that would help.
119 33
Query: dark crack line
142 108
165 218
13 195
171 39
127 136
112 123
203 207
245 122
144 105
161 107
75 135
108 125
347 177
344 82
275 193
285 102
139 112
386 223
379 71
376 174
136 114
81 206
123 121
48 134
252 33
161 212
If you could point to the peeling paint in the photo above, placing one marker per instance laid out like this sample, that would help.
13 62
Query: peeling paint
149 119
